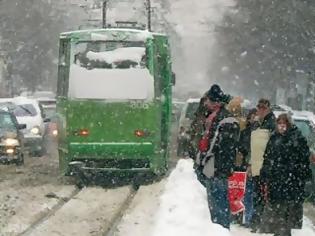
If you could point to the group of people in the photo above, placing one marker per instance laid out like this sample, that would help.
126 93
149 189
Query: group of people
272 151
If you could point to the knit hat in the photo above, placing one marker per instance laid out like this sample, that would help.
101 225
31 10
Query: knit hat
215 93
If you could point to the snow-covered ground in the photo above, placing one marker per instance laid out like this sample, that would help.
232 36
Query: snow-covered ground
180 208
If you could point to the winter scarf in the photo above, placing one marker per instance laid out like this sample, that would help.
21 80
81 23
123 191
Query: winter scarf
205 140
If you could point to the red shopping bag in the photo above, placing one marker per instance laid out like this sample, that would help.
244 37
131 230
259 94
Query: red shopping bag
236 192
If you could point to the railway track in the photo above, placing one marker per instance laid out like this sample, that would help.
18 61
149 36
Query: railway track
88 211
49 214
100 209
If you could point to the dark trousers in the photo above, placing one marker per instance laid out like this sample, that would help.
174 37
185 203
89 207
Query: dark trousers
258 203
248 202
279 218
217 192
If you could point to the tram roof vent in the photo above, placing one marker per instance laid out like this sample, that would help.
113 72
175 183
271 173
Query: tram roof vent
128 24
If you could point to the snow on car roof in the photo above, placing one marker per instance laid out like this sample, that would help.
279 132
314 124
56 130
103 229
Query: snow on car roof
281 107
300 118
306 115
43 94
6 100
24 100
285 107
193 100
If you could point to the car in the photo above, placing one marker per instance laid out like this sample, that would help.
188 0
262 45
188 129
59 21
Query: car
47 100
43 95
49 110
177 107
306 125
307 114
11 139
281 109
51 130
28 111
186 118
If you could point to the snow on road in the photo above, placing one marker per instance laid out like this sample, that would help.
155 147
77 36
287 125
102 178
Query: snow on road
139 219
26 205
178 206
91 212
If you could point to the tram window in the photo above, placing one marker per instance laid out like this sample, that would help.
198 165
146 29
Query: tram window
110 55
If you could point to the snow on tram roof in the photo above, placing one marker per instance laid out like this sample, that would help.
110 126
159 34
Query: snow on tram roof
141 34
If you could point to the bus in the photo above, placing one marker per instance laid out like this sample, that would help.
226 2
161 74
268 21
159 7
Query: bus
114 101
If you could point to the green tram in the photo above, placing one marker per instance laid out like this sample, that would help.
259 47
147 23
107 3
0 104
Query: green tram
114 101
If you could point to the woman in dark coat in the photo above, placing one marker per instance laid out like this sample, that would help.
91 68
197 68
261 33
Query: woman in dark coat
284 172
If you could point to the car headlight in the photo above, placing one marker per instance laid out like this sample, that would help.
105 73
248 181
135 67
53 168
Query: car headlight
10 151
35 130
11 142
55 132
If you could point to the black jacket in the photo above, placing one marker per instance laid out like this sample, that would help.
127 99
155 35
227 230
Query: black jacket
269 122
226 144
286 166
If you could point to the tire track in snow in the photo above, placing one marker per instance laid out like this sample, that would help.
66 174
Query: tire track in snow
119 215
50 213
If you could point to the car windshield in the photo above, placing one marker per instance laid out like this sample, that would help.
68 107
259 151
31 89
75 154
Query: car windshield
49 111
304 126
25 110
191 109
6 122
7 106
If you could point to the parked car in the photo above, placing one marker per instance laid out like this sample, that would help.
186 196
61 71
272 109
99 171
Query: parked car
305 123
43 95
11 139
177 107
47 100
280 109
186 118
30 112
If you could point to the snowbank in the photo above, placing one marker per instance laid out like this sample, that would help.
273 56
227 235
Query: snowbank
184 209
110 84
